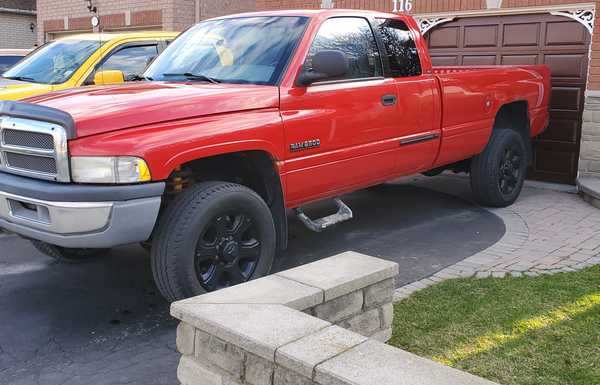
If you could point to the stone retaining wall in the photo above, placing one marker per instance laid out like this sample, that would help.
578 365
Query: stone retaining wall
318 324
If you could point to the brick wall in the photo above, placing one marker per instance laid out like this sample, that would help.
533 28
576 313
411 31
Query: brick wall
15 31
72 15
214 8
60 16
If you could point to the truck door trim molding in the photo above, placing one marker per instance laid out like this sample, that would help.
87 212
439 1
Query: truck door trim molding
419 139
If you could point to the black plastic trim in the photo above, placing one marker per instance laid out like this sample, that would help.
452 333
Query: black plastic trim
39 112
60 192
419 139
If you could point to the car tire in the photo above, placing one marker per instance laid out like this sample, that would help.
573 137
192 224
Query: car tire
213 235
498 173
64 254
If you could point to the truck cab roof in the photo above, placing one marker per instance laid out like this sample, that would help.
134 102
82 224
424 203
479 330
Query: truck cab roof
320 13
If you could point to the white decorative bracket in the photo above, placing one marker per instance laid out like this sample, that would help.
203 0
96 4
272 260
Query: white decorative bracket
327 4
425 24
583 16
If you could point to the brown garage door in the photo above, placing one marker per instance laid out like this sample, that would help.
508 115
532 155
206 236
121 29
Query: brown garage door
556 41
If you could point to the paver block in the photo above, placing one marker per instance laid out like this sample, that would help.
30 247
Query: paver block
340 308
258 370
383 335
215 351
185 338
379 293
190 372
284 376
272 289
303 355
374 363
387 315
343 273
365 323
258 329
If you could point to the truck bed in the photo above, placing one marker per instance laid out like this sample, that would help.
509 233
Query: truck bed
471 97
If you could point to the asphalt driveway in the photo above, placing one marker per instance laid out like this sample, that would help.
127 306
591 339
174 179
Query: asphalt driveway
103 322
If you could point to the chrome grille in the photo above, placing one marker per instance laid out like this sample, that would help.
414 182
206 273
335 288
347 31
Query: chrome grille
28 139
31 163
33 148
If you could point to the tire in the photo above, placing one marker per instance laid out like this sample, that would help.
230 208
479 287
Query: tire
213 235
498 173
64 254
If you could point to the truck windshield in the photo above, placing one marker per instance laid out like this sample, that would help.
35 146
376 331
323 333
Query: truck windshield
246 50
54 63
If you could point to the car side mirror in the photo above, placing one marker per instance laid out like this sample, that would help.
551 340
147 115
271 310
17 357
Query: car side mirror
108 77
327 64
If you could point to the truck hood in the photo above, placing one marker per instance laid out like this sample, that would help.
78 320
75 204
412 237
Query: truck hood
15 89
97 110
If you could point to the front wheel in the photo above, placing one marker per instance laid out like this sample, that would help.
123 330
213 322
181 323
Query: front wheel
498 173
213 235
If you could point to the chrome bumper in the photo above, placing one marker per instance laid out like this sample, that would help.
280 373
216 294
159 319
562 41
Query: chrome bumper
79 224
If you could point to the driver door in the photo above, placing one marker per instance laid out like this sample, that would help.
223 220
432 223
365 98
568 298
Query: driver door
339 134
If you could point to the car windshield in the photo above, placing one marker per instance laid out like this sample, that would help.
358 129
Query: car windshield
247 50
53 63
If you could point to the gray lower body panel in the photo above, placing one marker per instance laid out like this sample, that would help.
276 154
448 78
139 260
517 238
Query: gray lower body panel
75 223
128 222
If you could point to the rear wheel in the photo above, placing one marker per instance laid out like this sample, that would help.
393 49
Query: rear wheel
498 173
214 235
67 254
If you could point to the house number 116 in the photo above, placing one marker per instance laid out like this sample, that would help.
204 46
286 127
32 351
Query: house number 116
402 5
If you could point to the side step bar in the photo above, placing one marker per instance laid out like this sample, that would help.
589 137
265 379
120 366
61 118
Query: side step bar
344 213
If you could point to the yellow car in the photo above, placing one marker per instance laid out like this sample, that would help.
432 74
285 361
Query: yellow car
83 60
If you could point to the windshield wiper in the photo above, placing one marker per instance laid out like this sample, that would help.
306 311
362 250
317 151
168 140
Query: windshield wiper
134 78
20 78
199 77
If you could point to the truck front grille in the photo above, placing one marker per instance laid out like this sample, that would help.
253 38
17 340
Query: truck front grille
33 148
28 139
31 163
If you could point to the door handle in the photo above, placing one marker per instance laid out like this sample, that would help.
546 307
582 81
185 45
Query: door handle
388 100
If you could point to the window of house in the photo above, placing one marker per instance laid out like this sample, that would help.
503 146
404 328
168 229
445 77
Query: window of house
402 52
354 38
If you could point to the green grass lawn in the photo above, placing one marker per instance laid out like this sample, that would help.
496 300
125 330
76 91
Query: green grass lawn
522 331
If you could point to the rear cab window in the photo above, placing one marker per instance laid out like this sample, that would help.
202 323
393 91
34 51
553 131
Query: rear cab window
401 53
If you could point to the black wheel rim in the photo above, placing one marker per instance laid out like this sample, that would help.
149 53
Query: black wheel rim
510 171
228 251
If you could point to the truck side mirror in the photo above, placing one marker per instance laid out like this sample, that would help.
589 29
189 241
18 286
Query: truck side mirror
108 77
328 64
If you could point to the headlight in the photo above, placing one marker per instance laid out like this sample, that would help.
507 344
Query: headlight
121 169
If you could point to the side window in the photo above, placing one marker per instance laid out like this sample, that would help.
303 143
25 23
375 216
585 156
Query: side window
401 50
8 61
131 61
353 37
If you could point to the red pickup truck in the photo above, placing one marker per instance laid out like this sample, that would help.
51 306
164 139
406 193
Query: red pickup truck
246 116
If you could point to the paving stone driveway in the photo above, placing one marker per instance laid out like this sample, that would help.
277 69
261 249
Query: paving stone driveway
547 231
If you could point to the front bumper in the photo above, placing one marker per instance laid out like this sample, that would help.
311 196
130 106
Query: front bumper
78 216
